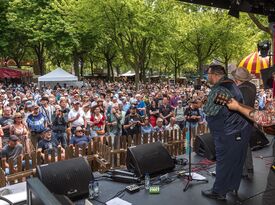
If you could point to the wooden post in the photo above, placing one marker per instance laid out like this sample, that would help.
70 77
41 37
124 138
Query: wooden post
2 178
59 154
34 159
27 162
46 158
38 157
90 148
76 150
52 156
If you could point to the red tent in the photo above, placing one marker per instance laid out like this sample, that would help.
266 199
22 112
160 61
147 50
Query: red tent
13 73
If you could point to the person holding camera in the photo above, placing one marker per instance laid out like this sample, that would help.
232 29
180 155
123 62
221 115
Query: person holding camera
59 125
133 122
192 116
113 120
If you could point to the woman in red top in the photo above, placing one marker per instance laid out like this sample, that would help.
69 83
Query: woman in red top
98 121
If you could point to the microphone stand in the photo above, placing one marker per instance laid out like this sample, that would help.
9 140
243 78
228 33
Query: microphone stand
189 177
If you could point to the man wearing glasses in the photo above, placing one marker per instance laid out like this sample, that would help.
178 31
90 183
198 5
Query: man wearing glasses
230 131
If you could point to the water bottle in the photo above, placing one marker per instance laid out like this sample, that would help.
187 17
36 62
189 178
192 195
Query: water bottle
96 189
147 181
91 190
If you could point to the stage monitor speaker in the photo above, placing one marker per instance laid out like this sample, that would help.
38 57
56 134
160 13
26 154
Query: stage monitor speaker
204 146
258 140
150 158
69 177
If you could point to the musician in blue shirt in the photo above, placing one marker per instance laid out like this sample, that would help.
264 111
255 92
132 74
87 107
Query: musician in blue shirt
230 131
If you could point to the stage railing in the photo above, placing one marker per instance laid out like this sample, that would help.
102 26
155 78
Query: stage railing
102 153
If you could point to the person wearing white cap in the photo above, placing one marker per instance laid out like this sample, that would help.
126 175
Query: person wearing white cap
76 116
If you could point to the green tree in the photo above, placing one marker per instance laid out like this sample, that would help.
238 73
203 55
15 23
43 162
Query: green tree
136 26
203 36
40 22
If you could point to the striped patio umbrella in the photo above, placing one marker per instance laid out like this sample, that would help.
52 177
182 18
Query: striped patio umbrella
254 63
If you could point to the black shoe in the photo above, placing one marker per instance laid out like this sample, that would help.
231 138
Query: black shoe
213 195
234 192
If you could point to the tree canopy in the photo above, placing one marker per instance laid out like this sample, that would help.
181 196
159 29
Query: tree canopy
146 36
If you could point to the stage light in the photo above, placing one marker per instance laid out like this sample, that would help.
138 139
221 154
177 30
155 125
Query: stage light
234 9
263 48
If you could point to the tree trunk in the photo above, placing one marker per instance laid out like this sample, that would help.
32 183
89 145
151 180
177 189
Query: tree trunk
81 66
200 67
112 72
76 64
175 73
39 50
137 78
92 66
59 63
117 70
108 70
40 59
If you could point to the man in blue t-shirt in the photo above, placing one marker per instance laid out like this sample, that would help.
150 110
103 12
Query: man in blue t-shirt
49 144
141 106
37 123
79 137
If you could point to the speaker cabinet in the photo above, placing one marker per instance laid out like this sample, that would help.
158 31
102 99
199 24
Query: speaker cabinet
258 140
204 146
150 158
69 177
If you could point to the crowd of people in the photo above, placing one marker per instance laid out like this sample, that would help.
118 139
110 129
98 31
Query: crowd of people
46 118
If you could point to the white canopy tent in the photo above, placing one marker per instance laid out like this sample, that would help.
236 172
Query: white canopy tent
128 74
58 75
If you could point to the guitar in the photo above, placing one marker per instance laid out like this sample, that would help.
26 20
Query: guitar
221 99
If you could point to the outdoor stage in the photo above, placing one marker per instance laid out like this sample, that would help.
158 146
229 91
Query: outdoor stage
172 194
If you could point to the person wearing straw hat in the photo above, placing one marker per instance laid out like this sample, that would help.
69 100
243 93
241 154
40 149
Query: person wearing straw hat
49 144
242 77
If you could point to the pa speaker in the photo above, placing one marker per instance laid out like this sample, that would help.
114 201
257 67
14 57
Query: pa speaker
204 146
69 177
258 140
150 158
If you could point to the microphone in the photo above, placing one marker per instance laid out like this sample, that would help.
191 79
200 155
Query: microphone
121 172
124 179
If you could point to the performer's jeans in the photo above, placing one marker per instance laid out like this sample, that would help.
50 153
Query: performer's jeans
230 155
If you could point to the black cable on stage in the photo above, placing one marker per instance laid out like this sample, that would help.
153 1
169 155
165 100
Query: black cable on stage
117 194
99 201
253 196
6 200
